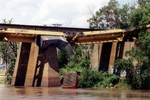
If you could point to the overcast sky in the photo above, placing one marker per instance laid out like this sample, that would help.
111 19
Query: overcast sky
69 13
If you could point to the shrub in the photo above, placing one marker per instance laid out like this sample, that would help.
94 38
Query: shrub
90 79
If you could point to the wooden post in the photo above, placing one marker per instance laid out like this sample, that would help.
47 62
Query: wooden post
31 70
21 65
112 57
31 64
51 68
96 54
47 70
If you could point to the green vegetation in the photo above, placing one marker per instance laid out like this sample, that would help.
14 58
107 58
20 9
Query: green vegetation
97 79
137 65
88 78
2 78
112 16
76 62
8 52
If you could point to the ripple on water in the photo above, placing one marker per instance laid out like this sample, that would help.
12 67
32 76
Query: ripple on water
47 93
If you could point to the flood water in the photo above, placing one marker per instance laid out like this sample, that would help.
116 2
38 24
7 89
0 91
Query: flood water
44 93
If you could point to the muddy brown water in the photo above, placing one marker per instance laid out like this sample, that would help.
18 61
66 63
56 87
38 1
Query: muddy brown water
44 93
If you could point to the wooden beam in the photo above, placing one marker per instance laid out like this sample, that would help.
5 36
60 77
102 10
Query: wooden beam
114 31
28 35
20 39
30 32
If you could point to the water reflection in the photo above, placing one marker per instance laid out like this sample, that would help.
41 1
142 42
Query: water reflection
44 93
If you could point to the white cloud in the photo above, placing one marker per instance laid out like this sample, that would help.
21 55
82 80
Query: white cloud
70 13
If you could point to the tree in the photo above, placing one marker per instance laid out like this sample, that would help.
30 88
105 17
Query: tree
9 51
141 16
107 17
138 71
124 16
112 16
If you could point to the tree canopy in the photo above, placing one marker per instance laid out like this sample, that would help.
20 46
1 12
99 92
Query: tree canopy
112 16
